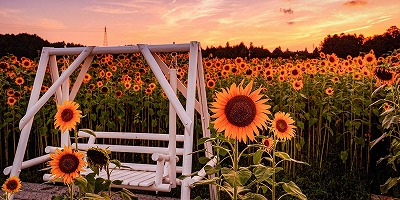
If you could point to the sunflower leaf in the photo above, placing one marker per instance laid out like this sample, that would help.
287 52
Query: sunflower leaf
377 89
88 131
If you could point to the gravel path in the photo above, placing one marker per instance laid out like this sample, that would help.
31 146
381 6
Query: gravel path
45 191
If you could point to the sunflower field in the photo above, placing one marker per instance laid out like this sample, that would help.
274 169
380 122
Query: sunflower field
329 99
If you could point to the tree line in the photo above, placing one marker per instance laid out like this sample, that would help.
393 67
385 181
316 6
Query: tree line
339 44
29 46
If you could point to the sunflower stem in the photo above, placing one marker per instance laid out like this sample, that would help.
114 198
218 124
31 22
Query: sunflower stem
235 168
273 167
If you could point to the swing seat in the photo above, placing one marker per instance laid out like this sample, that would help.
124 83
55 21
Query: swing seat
156 176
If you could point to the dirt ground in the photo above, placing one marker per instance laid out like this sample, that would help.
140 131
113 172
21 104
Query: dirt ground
31 191
37 191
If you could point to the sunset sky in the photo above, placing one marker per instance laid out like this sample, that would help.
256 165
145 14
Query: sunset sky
293 24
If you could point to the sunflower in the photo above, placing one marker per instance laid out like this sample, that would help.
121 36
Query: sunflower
67 164
104 89
11 101
384 76
329 91
97 158
386 106
100 83
118 94
149 91
282 126
333 59
10 92
67 116
297 85
240 112
210 83
92 86
4 65
109 74
127 85
152 86
102 73
335 79
136 88
87 78
12 185
365 71
370 58
268 143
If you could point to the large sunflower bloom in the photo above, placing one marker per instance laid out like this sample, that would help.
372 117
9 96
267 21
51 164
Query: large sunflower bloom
282 126
240 112
12 185
67 164
67 116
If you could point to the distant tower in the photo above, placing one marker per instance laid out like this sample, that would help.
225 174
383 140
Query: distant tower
105 43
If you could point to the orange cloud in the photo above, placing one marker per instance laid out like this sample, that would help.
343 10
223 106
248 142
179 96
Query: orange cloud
356 3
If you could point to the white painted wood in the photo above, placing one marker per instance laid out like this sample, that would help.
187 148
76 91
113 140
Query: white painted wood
133 136
121 49
81 75
172 135
144 167
132 149
143 177
205 118
39 103
54 76
26 129
65 137
188 143
181 87
29 163
165 86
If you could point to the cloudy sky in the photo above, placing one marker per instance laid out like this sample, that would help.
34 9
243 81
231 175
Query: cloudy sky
293 24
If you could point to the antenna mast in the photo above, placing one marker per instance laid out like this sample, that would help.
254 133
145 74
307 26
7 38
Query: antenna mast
105 43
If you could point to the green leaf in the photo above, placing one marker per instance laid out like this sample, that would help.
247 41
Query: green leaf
212 170
254 196
93 196
389 184
282 155
203 160
244 175
262 172
387 112
377 89
116 163
344 155
292 189
117 182
202 140
257 156
88 131
81 183
236 178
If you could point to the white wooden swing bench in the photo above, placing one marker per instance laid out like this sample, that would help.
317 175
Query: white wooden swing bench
161 175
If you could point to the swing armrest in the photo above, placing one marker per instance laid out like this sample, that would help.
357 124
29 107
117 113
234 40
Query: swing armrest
161 167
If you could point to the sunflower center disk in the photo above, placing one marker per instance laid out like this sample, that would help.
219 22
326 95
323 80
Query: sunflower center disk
12 185
240 110
68 163
281 125
97 157
67 115
383 74
266 143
